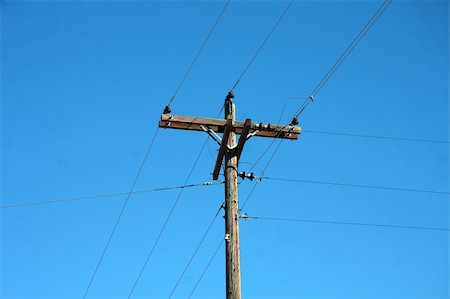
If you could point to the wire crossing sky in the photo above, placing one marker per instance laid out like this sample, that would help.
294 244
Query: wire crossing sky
122 210
51 201
343 56
262 44
83 86
247 217
348 223
202 47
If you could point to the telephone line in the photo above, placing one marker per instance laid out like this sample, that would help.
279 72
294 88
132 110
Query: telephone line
119 217
356 185
206 269
376 136
343 56
195 251
219 17
262 45
245 216
347 223
330 72
51 201
150 254
264 169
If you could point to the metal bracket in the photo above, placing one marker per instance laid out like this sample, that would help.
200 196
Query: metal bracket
227 237
168 121
223 148
212 134
252 134
216 137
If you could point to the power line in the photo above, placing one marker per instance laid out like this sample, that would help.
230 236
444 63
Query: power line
121 213
206 269
245 216
356 185
331 71
166 109
264 169
360 135
263 44
219 17
347 223
343 56
195 252
150 254
204 184
243 73
377 136
51 201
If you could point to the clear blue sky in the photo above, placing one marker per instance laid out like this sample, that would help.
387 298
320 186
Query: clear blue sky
83 85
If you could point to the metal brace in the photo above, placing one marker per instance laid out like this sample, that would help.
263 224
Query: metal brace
214 136
252 134
168 121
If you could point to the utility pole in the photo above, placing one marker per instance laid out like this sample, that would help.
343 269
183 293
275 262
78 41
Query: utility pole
232 254
231 152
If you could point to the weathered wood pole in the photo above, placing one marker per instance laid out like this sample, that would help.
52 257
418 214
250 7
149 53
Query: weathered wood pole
233 270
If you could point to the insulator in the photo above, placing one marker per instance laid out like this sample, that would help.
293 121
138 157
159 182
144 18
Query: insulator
167 110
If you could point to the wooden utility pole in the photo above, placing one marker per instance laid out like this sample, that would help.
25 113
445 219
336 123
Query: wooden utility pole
231 152
233 269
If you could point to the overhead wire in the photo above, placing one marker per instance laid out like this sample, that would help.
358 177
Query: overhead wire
195 252
205 269
205 184
166 110
377 136
219 17
357 185
327 76
348 223
119 217
311 97
262 44
343 56
51 201
166 221
264 169
247 217
168 217
233 88
237 82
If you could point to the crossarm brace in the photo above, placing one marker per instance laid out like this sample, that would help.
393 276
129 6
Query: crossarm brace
244 137
212 134
223 148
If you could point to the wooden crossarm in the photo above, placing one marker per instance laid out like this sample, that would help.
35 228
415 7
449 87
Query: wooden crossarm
218 126
243 138
223 148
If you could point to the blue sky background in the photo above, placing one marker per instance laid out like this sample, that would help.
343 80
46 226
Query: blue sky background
82 88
